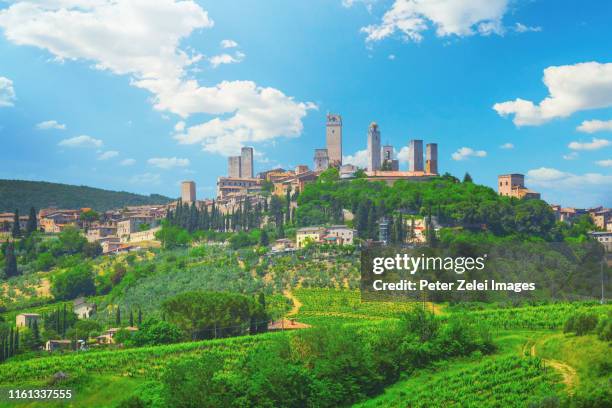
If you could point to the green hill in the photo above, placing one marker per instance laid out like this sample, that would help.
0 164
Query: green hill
23 194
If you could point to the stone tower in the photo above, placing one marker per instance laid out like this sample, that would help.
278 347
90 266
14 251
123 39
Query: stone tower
373 147
188 192
321 160
415 155
246 162
333 136
431 158
234 168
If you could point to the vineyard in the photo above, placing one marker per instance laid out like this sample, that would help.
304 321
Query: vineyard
548 317
345 305
501 382
137 362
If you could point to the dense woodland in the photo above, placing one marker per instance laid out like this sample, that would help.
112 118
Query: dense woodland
22 194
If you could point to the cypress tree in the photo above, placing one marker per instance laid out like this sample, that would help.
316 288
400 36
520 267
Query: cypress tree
36 332
139 317
131 319
17 339
31 226
64 314
263 238
16 231
467 178
10 261
118 317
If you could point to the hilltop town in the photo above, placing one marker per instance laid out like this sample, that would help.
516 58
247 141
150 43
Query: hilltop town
131 227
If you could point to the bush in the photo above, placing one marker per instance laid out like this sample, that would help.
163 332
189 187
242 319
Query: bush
76 281
604 328
580 323
155 332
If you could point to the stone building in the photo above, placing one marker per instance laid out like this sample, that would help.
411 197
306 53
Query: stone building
188 192
246 162
333 136
415 155
373 147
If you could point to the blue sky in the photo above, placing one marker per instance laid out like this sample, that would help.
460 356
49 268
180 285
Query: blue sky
139 95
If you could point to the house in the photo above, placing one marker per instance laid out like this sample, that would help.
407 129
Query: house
27 319
140 236
109 244
601 217
98 232
132 224
54 345
54 220
309 234
108 336
340 234
83 309
605 238
281 245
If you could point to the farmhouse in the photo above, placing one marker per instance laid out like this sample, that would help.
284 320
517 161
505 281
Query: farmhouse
27 319
53 345
83 309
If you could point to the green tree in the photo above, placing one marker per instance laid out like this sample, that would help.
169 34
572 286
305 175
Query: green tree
16 231
10 261
467 178
76 281
264 240
31 226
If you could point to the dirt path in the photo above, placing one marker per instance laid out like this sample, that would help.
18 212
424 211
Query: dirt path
296 303
568 373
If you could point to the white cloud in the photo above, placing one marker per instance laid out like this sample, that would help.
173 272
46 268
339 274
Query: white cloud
108 155
141 39
467 152
81 141
604 163
411 18
229 44
594 144
50 124
168 162
522 28
367 3
570 156
587 190
128 162
507 146
404 154
391 57
7 92
146 178
262 114
359 159
226 59
571 88
592 126
179 127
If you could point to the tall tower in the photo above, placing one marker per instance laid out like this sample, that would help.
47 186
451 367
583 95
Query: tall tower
188 192
234 168
431 158
387 153
333 136
321 160
246 162
373 147
415 155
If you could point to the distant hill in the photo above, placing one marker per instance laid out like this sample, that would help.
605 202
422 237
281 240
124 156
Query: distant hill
23 194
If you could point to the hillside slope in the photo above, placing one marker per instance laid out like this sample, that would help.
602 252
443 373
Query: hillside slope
23 194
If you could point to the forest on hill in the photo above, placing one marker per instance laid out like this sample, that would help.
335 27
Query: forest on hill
22 194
